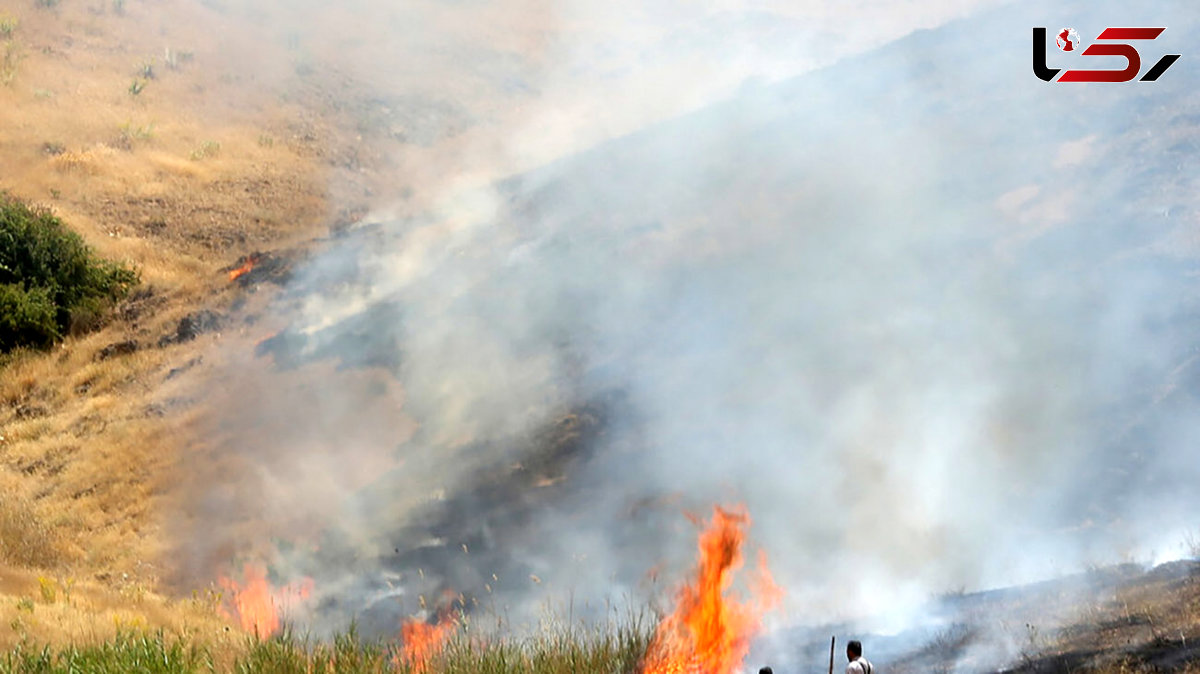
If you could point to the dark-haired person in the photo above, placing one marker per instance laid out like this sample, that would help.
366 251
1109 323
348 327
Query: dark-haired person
858 664
766 670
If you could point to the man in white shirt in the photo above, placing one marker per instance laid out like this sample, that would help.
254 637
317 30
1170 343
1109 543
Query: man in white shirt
858 664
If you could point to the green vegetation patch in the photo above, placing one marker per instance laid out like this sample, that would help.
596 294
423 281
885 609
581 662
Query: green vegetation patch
599 650
51 283
128 652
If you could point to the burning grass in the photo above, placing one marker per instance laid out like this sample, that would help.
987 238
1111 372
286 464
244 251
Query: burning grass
424 642
246 267
710 630
624 645
257 605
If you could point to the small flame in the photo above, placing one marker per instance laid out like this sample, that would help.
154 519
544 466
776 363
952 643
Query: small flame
264 340
423 640
256 603
709 632
246 267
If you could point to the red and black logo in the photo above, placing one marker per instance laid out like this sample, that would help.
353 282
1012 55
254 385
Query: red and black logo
1111 42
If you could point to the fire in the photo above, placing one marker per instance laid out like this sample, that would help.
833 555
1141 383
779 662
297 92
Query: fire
709 631
246 267
256 603
423 641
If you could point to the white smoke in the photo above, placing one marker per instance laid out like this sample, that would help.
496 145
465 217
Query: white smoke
921 312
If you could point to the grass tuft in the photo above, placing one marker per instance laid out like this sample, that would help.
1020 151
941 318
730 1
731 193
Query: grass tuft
10 59
209 148
131 133
8 25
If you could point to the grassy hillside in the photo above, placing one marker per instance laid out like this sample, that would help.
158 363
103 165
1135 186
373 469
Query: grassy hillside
179 139
143 133
139 125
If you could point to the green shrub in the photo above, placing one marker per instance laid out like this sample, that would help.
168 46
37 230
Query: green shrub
51 283
26 318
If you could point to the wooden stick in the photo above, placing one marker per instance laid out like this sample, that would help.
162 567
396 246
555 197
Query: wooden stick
832 640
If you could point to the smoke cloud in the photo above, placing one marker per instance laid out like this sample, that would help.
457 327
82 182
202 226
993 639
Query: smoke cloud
927 316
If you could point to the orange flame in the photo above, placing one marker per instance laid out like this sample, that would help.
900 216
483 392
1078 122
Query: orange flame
266 339
256 603
246 267
423 641
709 632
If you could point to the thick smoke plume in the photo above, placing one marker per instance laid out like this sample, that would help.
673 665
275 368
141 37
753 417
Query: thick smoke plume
928 317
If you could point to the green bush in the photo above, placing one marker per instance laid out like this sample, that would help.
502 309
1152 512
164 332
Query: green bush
51 283
26 318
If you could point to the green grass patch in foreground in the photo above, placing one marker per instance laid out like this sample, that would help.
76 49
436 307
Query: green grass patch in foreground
128 652
607 650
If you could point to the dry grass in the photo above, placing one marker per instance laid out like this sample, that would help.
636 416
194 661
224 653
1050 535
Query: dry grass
25 538
88 446
1142 623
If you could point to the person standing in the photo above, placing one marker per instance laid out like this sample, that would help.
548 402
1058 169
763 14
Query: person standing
858 664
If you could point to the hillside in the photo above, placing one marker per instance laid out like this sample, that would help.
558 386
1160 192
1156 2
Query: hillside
140 125
928 318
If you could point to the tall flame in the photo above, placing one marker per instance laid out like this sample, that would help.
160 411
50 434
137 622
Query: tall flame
709 631
422 640
256 604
